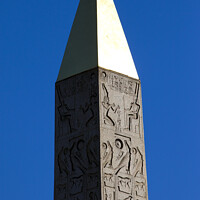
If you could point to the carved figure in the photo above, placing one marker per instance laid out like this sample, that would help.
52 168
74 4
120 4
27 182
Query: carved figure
107 154
137 162
115 82
77 155
124 185
92 109
92 180
131 115
108 107
63 162
104 77
109 180
128 198
130 87
118 124
93 196
76 185
66 113
140 188
109 195
92 151
123 157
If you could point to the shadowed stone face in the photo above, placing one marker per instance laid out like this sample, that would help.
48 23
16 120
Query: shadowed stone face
77 150
99 141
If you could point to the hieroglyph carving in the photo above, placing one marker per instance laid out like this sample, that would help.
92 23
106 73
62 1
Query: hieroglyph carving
108 107
77 156
99 142
122 144
66 114
132 113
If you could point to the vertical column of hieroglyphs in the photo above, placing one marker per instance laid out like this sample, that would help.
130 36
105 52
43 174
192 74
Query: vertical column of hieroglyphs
123 167
77 171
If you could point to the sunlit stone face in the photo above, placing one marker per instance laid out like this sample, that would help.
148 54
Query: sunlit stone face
113 50
99 138
96 40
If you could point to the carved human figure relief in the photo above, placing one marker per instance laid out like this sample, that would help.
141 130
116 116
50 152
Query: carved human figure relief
77 151
108 107
90 108
117 146
123 169
132 113
90 111
66 114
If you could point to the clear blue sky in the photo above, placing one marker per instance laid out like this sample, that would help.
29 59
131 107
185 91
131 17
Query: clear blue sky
164 37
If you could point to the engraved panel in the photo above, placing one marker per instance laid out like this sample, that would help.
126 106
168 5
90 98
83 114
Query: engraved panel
77 138
99 120
122 141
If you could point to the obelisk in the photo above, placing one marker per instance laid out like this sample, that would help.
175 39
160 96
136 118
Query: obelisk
99 137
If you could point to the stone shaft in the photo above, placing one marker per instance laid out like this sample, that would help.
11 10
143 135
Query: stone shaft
99 138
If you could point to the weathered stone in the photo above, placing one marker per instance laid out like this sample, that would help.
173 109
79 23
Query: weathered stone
123 169
97 39
99 138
